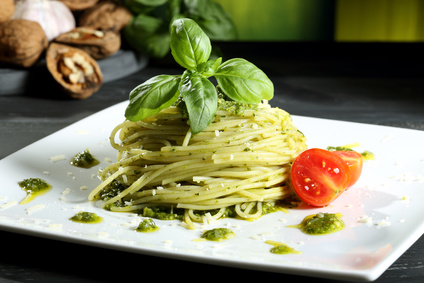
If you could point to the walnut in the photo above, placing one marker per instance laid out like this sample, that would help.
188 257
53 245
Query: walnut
76 71
106 15
98 44
21 42
7 9
76 5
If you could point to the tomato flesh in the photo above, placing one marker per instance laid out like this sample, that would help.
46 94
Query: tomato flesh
354 161
319 176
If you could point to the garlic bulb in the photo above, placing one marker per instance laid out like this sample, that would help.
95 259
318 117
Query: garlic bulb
54 17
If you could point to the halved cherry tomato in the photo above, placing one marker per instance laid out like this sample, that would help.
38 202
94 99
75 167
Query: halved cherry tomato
355 162
319 176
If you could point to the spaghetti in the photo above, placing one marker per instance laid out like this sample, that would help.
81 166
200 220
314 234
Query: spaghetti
240 162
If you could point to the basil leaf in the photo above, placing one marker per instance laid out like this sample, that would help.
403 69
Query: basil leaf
190 46
208 68
201 100
152 96
242 81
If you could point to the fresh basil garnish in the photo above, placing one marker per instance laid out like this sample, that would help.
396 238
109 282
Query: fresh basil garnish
242 81
200 97
190 46
152 96
237 78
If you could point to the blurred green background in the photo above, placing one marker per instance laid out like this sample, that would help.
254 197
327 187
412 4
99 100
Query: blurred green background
328 20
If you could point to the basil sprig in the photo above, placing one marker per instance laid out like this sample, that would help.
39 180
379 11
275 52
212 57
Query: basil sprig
237 78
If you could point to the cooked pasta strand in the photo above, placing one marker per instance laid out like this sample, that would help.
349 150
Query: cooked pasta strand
237 161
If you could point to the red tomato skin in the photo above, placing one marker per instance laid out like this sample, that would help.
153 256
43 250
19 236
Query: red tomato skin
355 162
319 176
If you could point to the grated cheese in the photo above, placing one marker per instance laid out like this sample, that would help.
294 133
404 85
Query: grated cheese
387 138
8 204
57 158
383 223
168 242
102 235
55 227
255 237
365 219
35 208
82 132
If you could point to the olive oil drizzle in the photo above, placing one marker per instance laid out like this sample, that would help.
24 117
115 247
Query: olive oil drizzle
34 187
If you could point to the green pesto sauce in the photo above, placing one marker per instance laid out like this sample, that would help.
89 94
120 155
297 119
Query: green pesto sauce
233 107
33 187
86 217
147 226
172 213
321 224
339 148
112 190
162 213
224 103
218 234
366 155
167 213
281 248
84 159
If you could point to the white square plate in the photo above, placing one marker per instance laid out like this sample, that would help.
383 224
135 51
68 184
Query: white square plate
382 212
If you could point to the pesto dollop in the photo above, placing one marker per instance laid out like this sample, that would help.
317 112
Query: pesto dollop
162 213
321 224
33 187
168 213
231 106
84 159
366 155
281 248
86 217
218 234
223 103
147 226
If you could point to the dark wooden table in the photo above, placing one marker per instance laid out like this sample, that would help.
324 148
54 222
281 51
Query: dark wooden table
371 83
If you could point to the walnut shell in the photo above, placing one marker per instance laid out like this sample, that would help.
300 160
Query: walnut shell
98 44
76 5
76 71
21 42
106 15
7 9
